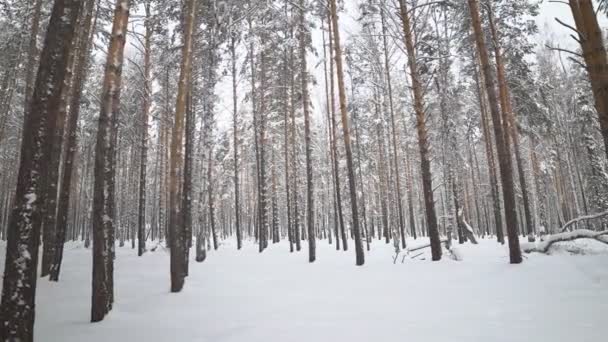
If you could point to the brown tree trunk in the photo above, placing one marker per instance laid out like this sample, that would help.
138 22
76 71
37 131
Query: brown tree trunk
393 130
595 56
423 141
237 204
32 56
310 186
81 69
19 285
179 249
502 142
334 147
103 191
53 155
511 125
141 218
493 178
360 257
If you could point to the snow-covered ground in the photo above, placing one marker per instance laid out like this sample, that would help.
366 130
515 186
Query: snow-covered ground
277 296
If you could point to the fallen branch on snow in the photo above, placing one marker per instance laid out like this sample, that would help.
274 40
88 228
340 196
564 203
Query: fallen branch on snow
543 246
582 218
426 245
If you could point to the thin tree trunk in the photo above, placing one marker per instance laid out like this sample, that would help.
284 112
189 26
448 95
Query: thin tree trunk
141 218
237 205
334 135
310 186
393 130
360 257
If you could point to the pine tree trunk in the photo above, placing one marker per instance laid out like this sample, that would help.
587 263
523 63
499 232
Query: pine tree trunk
310 186
103 190
179 249
292 108
141 218
423 141
510 122
487 134
393 130
17 310
595 56
53 153
81 70
360 257
237 205
502 143
32 56
334 135
186 205
210 199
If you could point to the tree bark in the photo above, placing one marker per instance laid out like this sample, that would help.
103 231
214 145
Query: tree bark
179 250
19 284
393 130
425 160
146 103
360 257
310 186
237 205
81 70
510 121
502 142
595 56
103 190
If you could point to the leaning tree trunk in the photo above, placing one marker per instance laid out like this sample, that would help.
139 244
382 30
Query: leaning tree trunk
17 310
177 241
502 141
423 141
360 257
103 196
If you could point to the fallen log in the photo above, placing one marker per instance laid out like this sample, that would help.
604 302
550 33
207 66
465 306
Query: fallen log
582 218
543 246
426 245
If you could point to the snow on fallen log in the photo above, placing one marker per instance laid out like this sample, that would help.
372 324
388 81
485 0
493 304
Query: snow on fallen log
543 246
423 246
582 218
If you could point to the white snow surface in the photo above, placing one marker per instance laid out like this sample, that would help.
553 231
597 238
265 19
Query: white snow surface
277 296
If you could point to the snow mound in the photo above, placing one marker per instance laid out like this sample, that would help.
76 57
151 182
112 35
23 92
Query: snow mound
579 247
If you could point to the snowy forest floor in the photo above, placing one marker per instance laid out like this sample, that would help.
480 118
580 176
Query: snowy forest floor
277 296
